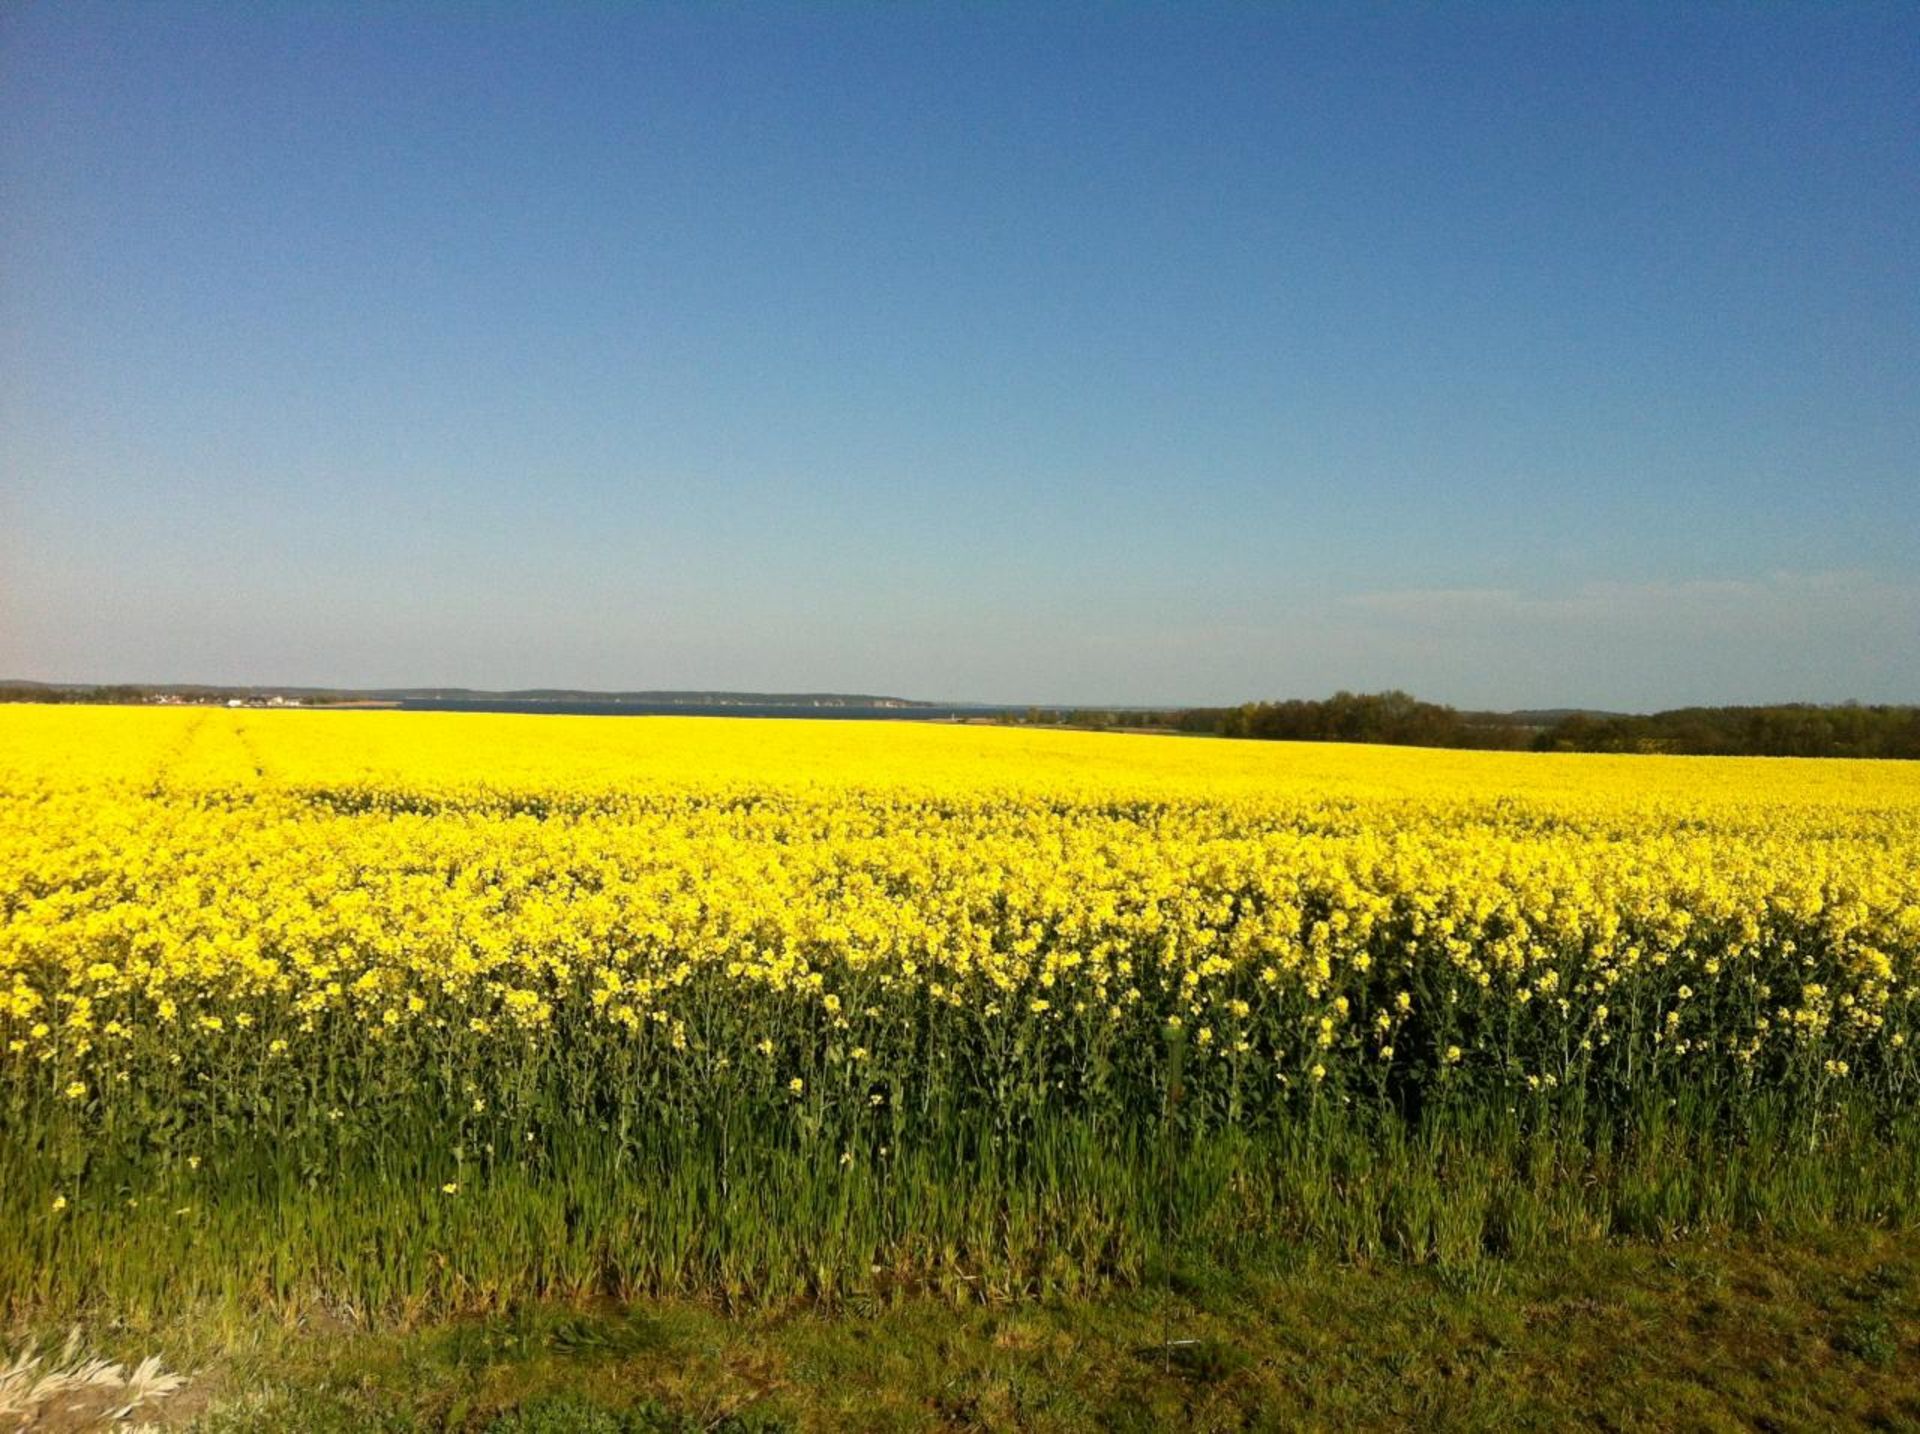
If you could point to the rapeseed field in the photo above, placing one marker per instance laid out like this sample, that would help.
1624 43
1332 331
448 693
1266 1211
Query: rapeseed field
437 1011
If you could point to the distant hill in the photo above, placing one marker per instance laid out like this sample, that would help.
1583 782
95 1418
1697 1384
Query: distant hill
17 689
675 698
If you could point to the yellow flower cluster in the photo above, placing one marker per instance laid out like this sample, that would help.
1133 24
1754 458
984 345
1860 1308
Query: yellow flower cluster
281 910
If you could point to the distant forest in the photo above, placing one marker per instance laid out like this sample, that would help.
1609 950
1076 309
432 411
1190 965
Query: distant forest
1396 718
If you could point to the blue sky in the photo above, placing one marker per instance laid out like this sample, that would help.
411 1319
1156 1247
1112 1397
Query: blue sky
1510 354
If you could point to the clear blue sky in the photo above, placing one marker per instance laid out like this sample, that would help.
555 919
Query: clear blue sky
1514 354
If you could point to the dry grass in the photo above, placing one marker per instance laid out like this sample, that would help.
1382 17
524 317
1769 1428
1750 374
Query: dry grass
71 1389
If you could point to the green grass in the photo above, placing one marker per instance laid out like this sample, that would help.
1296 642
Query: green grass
1684 1262
1815 1333
1072 1210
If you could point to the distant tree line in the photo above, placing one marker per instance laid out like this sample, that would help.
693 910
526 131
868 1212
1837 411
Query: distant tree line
1796 730
1395 718
1388 717
1399 719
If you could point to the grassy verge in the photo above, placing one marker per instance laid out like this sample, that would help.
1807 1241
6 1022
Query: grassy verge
1072 1211
1813 1333
1689 1267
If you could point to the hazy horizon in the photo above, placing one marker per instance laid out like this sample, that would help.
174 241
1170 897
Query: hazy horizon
1143 355
940 703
